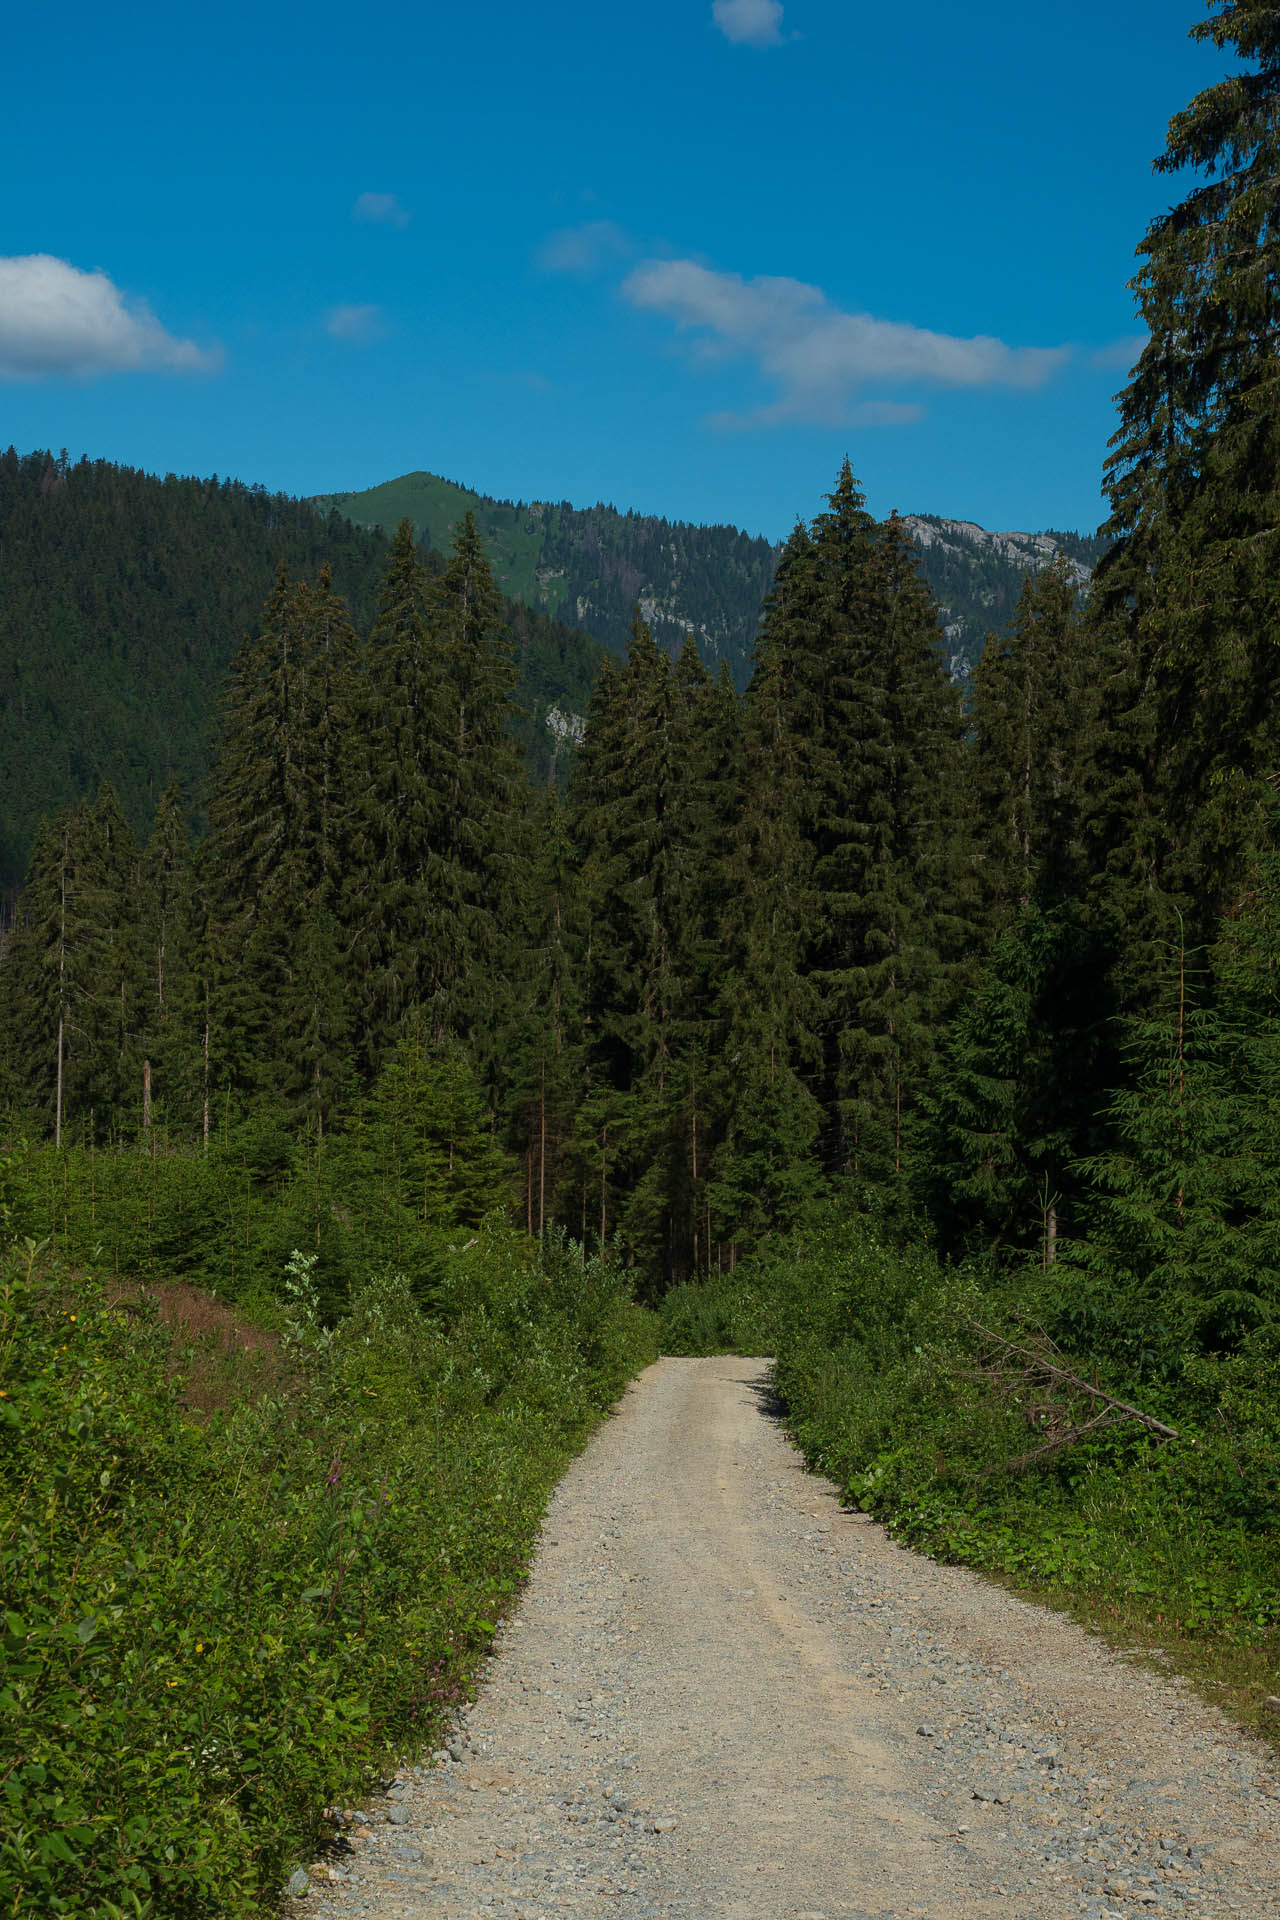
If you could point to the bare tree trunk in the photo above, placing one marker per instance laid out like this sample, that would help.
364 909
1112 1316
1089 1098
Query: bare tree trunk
206 1113
542 1152
1182 1080
57 1117
62 991
693 1131
146 1097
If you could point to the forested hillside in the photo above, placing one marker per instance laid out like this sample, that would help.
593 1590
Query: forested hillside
122 599
123 596
720 975
976 577
594 565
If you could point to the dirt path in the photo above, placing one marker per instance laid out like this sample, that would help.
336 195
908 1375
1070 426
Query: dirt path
722 1696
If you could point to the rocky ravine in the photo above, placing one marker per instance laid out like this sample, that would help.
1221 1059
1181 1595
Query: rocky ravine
723 1696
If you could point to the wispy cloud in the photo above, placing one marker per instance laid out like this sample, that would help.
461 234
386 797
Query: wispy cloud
1119 355
820 358
357 323
57 320
749 23
586 250
381 210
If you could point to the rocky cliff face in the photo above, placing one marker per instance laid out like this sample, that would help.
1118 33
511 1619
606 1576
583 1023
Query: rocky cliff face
976 576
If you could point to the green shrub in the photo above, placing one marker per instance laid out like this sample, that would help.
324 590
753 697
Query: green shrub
880 1369
212 1630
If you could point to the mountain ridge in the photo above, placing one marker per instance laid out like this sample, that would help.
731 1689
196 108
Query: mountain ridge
592 566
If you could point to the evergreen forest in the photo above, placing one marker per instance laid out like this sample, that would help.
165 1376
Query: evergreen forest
929 1042
122 600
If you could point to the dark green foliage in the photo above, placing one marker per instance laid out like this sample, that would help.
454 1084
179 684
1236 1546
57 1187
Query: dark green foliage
650 807
1182 1214
855 832
122 600
472 869
423 1141
1187 603
1016 1095
1031 718
285 817
72 982
765 1164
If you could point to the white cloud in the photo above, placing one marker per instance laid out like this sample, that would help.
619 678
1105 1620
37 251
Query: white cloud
357 323
819 357
585 250
749 23
56 320
381 210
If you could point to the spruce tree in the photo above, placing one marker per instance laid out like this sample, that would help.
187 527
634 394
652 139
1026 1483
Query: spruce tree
174 967
1014 1102
764 1166
402 929
46 974
72 977
1030 720
1187 601
473 872
284 845
888 819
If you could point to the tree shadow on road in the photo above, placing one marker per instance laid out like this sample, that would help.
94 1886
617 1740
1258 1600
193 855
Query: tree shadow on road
766 1395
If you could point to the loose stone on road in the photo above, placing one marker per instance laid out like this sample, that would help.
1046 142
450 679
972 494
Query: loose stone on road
723 1696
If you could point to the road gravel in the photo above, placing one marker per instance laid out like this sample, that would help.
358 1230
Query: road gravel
724 1696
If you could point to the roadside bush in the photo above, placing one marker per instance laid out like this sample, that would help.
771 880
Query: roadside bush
883 1378
213 1627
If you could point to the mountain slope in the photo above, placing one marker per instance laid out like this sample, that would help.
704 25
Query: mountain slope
976 576
592 566
122 600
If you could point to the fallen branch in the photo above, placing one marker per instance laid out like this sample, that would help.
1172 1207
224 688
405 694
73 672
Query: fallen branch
1064 1437
1037 1364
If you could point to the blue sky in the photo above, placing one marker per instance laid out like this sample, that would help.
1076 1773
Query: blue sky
674 255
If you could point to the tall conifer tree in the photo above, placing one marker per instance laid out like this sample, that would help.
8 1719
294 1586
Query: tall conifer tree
1189 598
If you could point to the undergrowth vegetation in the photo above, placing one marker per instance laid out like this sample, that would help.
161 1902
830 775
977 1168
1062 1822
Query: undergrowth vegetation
223 1611
892 1390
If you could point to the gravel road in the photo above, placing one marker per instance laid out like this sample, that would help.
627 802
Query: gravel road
723 1696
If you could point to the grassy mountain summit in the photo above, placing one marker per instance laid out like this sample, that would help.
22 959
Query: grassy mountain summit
590 566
